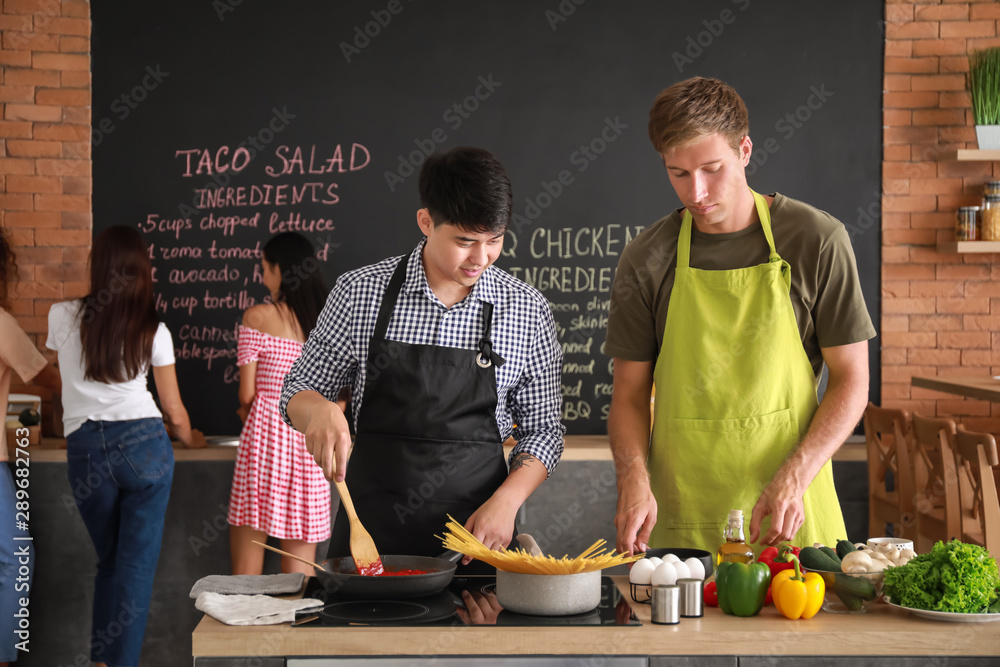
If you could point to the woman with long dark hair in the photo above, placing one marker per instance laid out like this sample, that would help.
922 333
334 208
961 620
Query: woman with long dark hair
18 354
120 458
278 489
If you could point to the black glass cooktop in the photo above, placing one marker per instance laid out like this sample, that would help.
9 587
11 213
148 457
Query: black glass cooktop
468 600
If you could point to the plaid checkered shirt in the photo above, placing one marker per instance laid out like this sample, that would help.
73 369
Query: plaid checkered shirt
523 334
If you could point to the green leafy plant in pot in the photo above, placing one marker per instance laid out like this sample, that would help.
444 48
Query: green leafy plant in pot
984 89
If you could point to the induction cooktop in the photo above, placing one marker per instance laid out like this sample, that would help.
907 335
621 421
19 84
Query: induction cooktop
468 600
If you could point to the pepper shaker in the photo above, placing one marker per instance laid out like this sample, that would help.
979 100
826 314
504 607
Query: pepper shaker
666 605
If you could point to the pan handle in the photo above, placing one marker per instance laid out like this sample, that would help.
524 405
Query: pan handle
452 556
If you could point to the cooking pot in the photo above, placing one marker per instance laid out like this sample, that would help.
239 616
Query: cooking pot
339 576
549 594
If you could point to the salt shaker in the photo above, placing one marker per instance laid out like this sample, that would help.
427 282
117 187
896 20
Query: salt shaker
691 600
666 605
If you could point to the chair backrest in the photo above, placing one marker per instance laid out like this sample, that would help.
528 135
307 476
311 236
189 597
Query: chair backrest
977 453
933 450
887 440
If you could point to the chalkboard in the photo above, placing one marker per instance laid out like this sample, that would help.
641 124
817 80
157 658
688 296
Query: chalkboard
216 124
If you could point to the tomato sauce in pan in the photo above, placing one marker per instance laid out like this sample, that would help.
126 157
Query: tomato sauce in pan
377 570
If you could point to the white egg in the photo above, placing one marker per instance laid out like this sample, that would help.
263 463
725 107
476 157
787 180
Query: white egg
671 558
654 560
696 567
665 574
641 572
682 570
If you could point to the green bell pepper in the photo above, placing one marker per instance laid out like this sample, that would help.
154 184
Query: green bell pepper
742 588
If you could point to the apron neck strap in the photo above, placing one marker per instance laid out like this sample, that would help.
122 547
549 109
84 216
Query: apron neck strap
684 240
389 299
486 354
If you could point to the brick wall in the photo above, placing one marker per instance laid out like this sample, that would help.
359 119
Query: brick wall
940 311
45 168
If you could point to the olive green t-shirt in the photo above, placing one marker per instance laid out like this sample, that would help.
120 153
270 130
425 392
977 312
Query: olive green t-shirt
826 293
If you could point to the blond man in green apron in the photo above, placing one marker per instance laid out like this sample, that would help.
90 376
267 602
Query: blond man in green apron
730 307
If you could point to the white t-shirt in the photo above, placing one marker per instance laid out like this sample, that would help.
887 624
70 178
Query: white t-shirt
85 399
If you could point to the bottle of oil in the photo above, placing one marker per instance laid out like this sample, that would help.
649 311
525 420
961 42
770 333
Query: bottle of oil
735 549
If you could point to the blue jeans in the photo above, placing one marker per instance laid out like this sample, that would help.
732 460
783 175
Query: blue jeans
120 473
17 559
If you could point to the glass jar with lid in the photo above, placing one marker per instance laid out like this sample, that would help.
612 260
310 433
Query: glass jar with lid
991 188
990 226
967 224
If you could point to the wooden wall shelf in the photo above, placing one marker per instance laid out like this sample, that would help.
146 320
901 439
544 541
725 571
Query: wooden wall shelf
971 155
969 246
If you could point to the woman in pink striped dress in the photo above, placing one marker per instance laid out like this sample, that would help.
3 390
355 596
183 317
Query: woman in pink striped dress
278 490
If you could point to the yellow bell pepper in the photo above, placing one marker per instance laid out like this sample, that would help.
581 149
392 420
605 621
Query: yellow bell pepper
797 595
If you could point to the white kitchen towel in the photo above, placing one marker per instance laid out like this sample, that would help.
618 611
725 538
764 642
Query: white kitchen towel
249 584
252 609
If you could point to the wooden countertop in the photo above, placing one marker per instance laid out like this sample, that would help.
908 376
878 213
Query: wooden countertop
883 630
578 448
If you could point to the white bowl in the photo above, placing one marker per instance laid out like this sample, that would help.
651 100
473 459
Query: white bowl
898 542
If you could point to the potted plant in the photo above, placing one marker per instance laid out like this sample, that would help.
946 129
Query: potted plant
984 89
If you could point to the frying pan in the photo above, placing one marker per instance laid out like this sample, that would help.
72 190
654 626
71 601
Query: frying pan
339 576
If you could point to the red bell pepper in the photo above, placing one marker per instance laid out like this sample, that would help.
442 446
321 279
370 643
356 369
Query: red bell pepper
711 595
777 559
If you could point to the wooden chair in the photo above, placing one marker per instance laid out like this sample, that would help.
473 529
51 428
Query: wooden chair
937 502
977 457
888 441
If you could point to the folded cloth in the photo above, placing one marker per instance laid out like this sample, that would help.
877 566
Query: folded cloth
249 584
252 609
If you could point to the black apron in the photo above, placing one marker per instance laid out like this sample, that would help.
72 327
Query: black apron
427 442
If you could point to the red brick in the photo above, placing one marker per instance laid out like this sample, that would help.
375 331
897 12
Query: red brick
895 221
909 339
897 373
65 26
13 129
21 237
964 339
911 100
32 219
15 58
938 82
978 358
76 115
983 287
939 47
898 13
62 167
899 48
909 169
942 13
911 65
969 29
32 148
978 44
60 61
61 132
77 220
964 408
896 116
54 202
60 272
32 77
15 202
33 184
984 10
76 8
896 153
897 288
45 8
72 44
915 30
35 290
16 166
959 272
62 237
31 41
74 79
953 169
895 323
39 256
907 272
963 305
32 112
921 186
953 64
895 390
77 186
76 149
907 306
17 94
63 96
925 237
938 117
76 256
954 100
909 203
937 288
893 357
931 357
981 322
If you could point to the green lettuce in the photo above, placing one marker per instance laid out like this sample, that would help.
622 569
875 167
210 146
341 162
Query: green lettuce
954 576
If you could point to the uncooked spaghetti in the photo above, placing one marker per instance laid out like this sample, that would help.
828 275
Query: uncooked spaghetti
457 538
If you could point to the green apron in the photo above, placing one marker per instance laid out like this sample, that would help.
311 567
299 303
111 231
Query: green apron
735 393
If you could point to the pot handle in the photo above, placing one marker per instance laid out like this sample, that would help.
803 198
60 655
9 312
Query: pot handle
451 556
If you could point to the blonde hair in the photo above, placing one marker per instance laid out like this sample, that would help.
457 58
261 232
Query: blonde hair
694 108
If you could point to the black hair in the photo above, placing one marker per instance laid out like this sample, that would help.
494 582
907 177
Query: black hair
302 285
467 187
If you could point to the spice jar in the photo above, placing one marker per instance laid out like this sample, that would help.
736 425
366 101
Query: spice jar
966 227
991 188
990 229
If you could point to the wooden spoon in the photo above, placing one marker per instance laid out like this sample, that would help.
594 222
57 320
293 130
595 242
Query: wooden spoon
285 553
363 549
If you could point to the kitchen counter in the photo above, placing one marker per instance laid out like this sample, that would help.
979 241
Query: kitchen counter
883 631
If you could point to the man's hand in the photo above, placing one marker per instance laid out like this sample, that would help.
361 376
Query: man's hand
782 501
635 515
328 438
493 522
